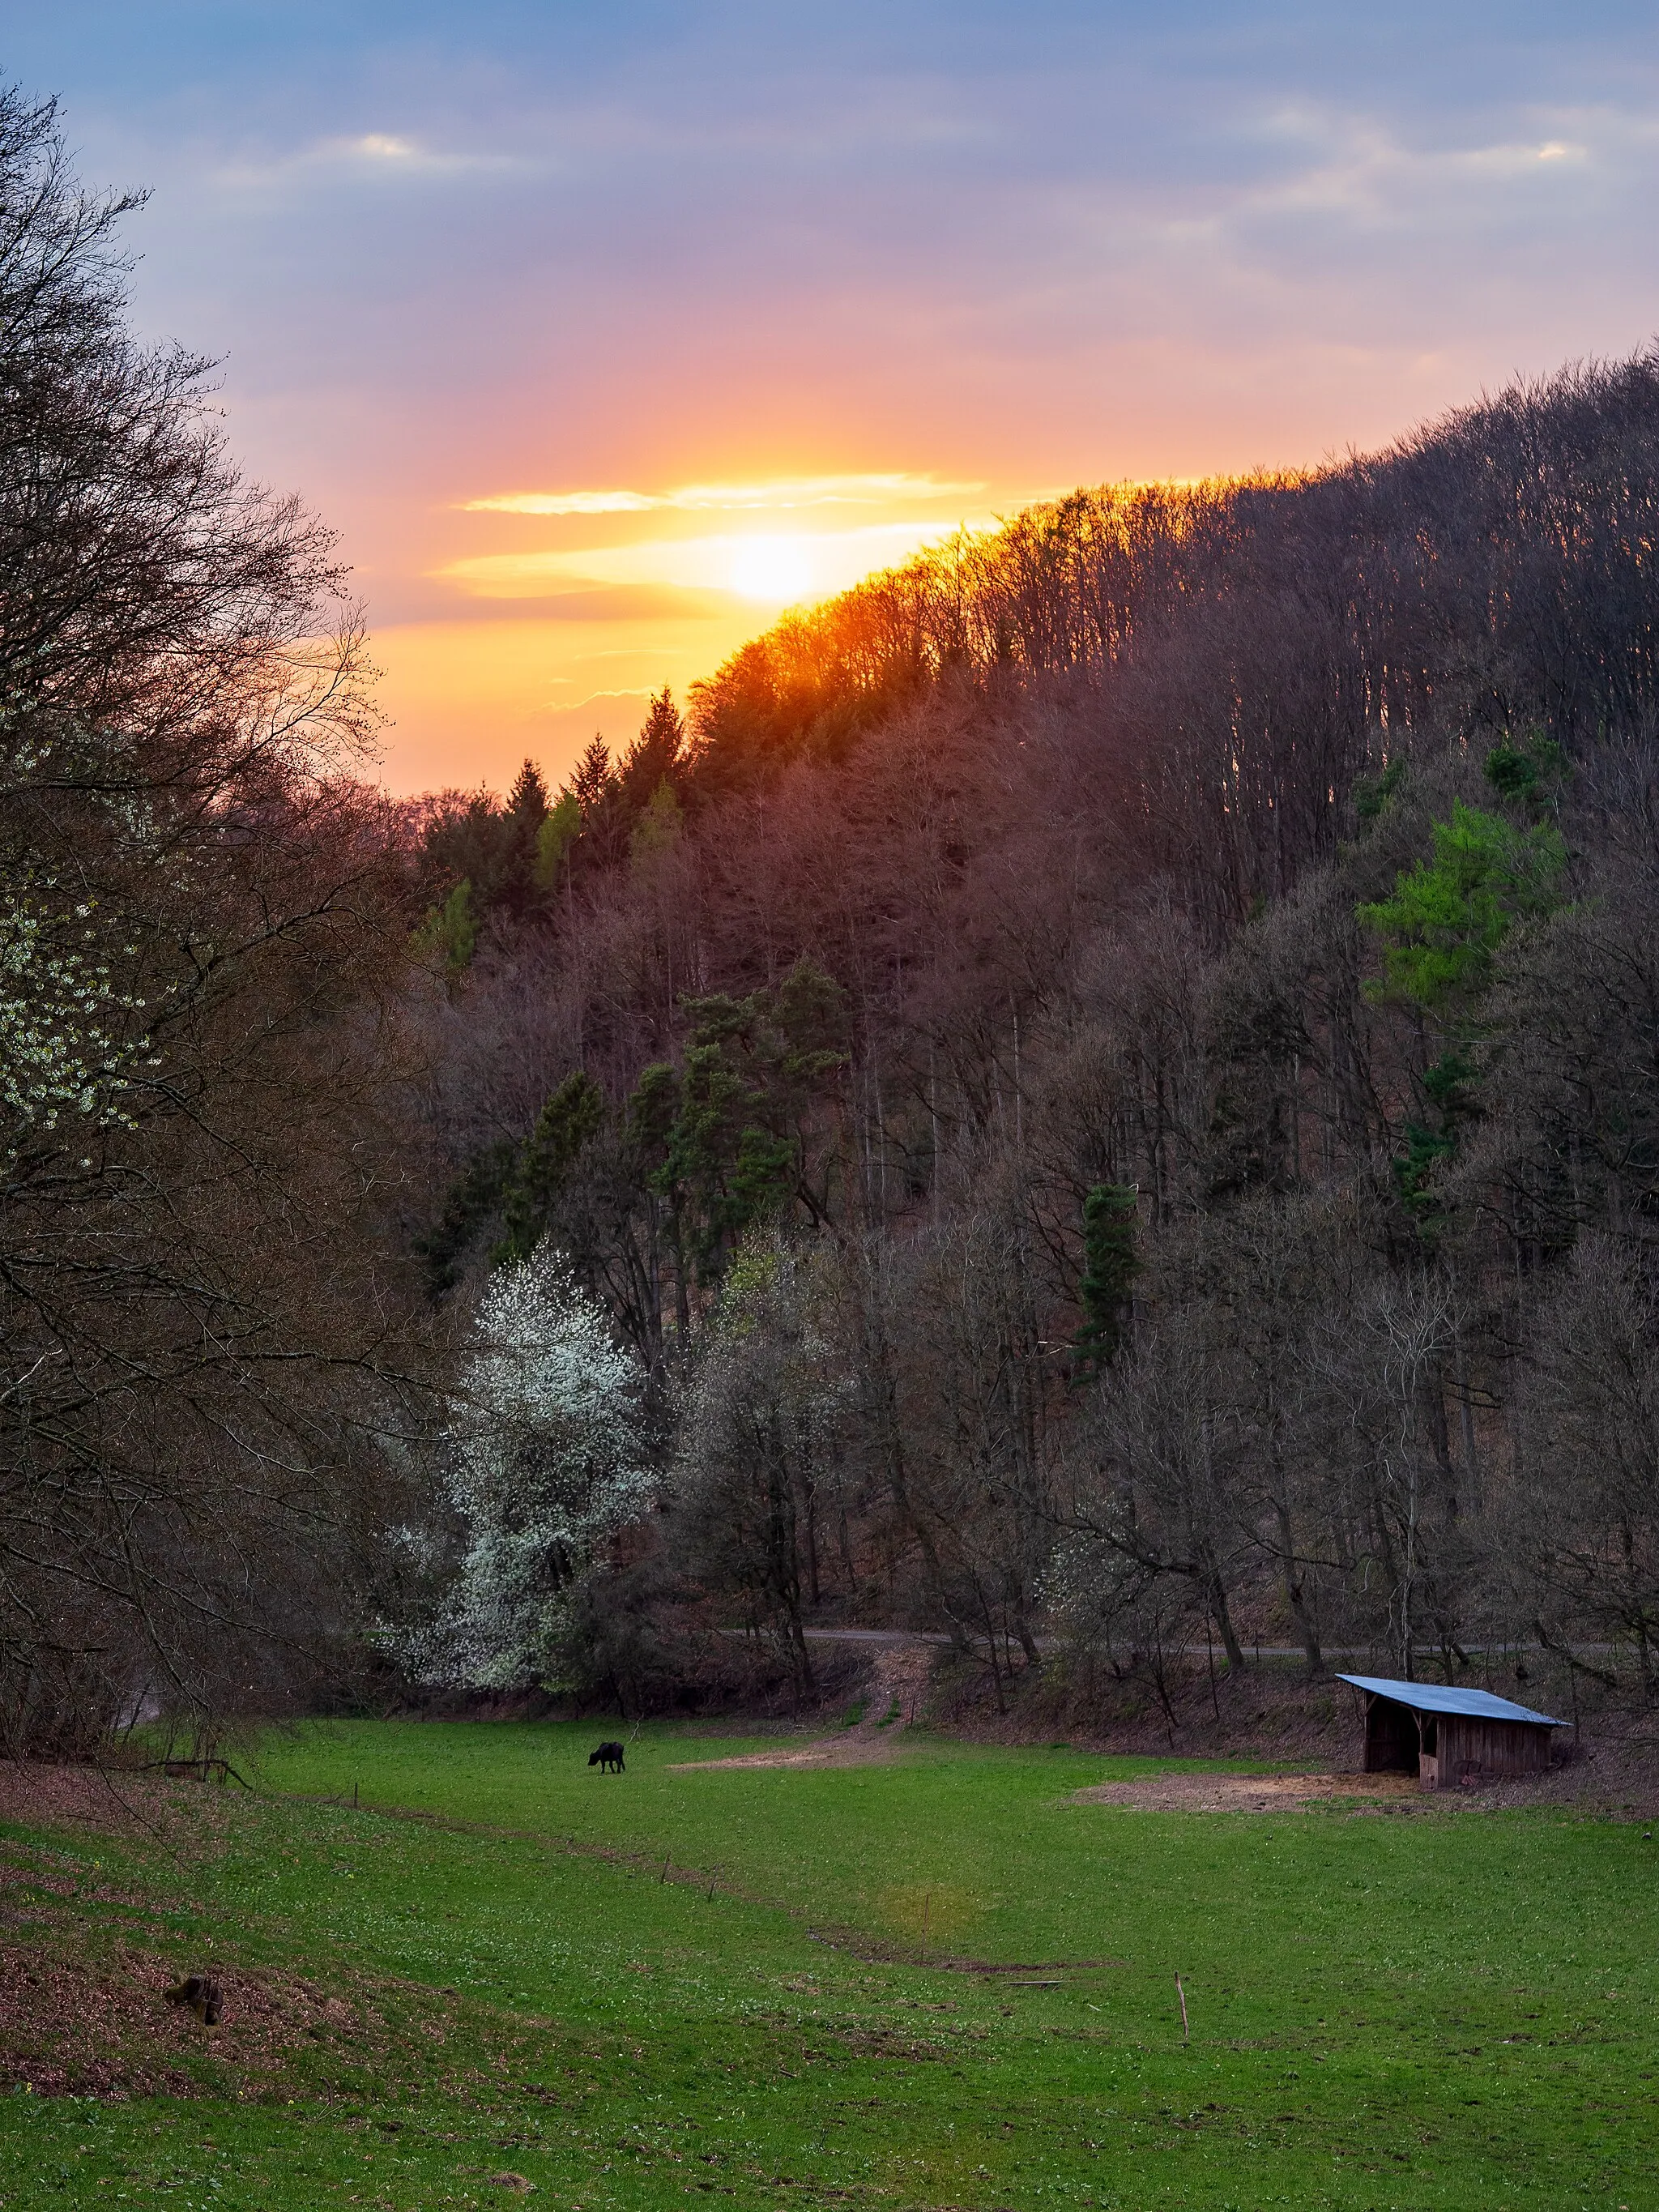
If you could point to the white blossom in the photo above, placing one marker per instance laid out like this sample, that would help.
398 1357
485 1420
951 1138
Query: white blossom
545 1464
63 1050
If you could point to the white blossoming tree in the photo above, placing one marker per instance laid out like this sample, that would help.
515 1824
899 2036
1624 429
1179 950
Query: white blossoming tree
545 1465
66 1045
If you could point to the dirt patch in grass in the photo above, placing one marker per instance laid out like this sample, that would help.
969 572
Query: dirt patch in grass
115 1801
88 1956
78 2027
1611 1781
1249 1792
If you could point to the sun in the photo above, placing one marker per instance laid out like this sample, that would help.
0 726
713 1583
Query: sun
776 570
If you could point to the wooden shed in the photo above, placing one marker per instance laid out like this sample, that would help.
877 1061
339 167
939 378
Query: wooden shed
1449 1738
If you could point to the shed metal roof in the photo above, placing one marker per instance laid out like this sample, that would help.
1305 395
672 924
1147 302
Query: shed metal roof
1436 1697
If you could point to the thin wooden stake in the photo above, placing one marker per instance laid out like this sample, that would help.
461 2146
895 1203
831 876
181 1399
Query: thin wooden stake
927 1908
663 1876
712 1879
1186 2032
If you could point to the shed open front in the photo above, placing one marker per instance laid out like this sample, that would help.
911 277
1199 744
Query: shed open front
1392 1743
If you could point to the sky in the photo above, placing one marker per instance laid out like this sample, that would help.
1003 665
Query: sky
600 330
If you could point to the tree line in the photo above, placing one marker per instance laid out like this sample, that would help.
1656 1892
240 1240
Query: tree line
1120 1114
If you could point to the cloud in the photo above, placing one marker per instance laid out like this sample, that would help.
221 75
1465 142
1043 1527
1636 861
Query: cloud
771 566
563 503
378 145
778 492
394 600
624 603
378 153
1356 165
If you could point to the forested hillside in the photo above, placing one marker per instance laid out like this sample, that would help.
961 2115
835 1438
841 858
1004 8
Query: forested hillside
1107 1083
1099 1094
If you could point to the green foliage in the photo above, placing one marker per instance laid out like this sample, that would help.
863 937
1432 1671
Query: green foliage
593 779
763 1179
1445 1083
725 1139
1449 916
654 758
751 1275
658 828
571 1119
526 806
1426 1151
701 1141
1429 1147
473 1200
1110 1264
450 931
554 840
1516 772
1372 795
653 1110
521 1185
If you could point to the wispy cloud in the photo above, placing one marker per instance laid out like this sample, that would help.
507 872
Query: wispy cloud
1356 166
774 567
563 503
782 493
367 154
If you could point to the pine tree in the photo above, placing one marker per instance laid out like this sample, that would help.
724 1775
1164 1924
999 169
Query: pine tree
591 783
1110 1265
527 802
651 759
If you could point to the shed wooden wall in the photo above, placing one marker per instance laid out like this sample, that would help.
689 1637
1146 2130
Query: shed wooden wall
1469 1745
1445 1748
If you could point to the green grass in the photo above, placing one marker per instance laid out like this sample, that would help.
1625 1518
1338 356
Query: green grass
1405 2011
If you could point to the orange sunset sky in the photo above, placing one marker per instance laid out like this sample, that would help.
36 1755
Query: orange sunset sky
600 334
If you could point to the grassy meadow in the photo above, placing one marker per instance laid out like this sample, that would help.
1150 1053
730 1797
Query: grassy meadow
775 1986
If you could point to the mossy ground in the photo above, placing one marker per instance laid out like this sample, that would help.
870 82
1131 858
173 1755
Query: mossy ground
1412 2009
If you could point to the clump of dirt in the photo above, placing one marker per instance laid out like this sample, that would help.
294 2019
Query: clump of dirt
1606 1781
850 1749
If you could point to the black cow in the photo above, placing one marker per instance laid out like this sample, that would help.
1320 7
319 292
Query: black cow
608 1759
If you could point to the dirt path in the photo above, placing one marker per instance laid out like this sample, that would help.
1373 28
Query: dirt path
898 1683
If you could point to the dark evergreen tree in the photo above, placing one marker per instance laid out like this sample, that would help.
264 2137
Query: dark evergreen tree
1110 1265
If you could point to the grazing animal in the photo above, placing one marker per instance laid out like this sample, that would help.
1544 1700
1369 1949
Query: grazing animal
608 1759
202 1995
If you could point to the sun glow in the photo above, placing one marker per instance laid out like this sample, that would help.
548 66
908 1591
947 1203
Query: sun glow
774 569
771 568
569 608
